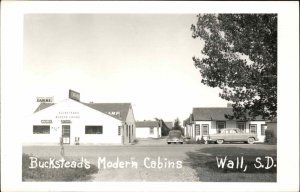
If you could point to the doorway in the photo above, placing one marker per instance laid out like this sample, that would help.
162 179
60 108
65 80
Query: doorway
66 133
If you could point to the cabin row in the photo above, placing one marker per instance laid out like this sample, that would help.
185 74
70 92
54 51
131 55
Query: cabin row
76 122
205 121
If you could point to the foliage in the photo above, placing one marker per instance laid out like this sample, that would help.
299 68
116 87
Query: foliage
60 174
164 128
270 137
177 126
240 57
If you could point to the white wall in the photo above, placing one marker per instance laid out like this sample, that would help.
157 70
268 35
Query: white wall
210 129
87 116
144 132
130 120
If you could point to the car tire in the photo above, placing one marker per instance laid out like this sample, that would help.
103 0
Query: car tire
181 142
220 141
169 143
250 140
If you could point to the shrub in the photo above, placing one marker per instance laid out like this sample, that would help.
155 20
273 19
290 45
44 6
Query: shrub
52 174
270 137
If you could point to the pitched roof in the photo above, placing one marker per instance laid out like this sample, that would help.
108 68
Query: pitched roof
43 106
152 124
146 124
116 110
169 124
213 113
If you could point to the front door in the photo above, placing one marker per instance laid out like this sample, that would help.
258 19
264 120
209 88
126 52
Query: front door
66 134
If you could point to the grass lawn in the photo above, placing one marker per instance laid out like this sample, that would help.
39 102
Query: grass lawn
204 162
39 172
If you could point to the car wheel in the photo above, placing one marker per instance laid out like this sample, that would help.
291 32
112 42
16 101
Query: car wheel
169 143
181 143
220 141
251 140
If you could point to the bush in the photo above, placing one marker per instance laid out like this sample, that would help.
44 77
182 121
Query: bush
270 137
53 174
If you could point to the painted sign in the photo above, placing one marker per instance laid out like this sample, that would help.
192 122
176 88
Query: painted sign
66 121
67 115
44 99
74 95
46 121
114 113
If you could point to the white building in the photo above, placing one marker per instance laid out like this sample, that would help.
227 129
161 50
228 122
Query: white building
86 123
148 129
210 120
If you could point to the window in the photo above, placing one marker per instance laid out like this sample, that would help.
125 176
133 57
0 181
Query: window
220 125
241 126
205 129
119 130
151 130
263 129
41 129
197 129
253 128
92 129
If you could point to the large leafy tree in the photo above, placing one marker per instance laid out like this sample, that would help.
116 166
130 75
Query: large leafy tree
240 57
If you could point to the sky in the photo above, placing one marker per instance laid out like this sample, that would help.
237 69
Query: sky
144 59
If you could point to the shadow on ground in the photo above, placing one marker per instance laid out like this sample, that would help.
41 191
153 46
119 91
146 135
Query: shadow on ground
204 162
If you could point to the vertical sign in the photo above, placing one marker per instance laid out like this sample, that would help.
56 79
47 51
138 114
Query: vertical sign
74 95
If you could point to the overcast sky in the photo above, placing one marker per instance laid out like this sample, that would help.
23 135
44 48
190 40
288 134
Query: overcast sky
144 59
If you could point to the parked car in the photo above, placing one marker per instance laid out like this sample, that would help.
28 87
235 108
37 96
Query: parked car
232 135
175 136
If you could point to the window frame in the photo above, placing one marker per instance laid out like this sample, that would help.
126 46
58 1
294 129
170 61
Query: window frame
119 130
41 132
202 127
92 126
197 129
262 127
255 125
219 129
241 122
151 130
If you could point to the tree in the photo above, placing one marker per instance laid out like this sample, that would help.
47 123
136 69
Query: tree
164 128
177 126
240 57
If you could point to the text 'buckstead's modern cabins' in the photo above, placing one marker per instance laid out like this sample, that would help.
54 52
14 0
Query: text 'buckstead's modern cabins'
211 120
82 123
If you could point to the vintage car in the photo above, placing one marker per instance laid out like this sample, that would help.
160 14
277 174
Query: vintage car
175 136
232 135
